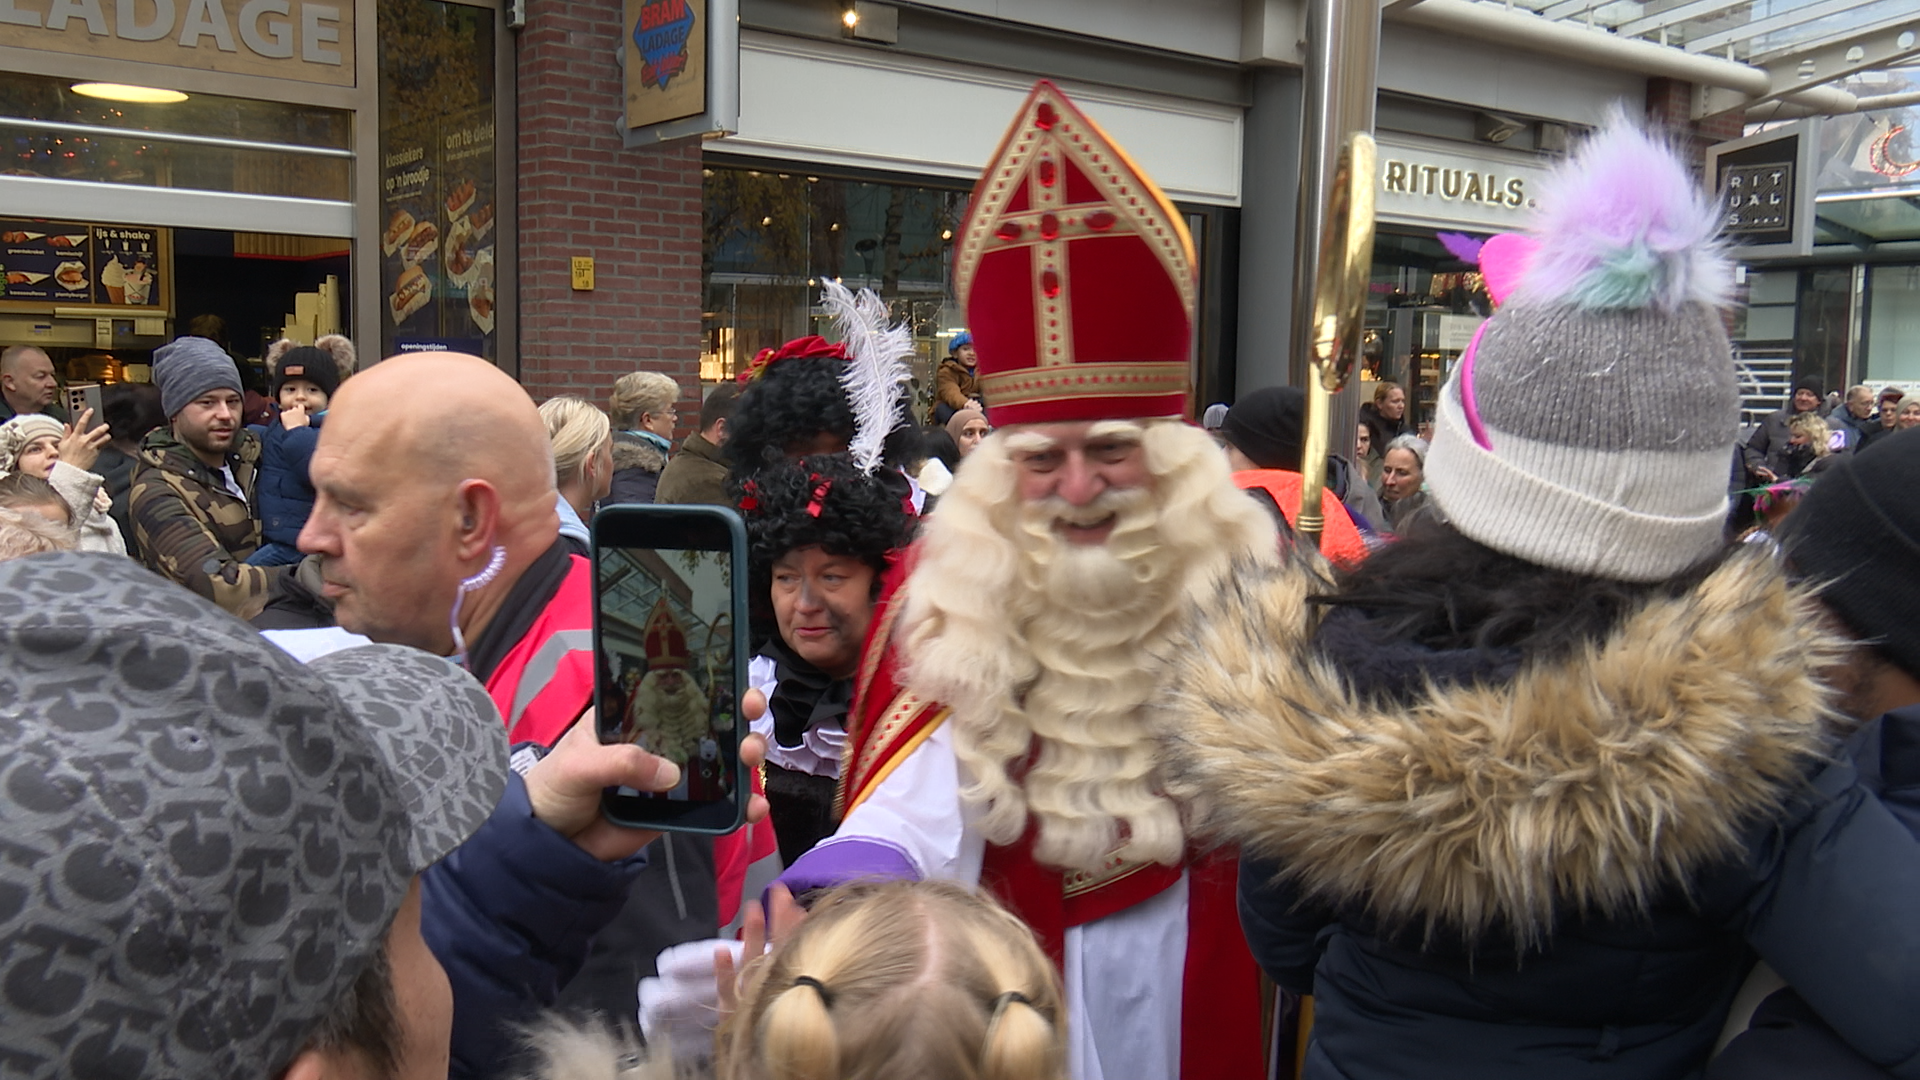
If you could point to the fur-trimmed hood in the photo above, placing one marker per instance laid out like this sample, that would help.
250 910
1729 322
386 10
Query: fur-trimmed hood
636 452
561 1049
1591 783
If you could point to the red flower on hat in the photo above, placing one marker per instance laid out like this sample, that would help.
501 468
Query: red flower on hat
813 345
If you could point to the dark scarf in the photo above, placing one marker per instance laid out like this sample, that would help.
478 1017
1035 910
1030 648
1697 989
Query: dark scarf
804 697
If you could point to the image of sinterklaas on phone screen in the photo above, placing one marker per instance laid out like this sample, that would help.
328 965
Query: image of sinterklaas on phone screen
666 650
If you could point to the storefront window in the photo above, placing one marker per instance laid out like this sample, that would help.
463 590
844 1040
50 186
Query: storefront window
205 142
1825 325
437 168
1893 324
771 236
1424 305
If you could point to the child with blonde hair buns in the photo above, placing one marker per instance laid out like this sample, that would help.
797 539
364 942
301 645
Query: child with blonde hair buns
903 979
920 980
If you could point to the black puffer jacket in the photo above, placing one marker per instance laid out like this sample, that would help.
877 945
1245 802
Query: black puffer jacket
1787 1039
1507 870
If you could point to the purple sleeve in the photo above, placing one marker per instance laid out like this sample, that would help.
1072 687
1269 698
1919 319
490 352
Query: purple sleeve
838 862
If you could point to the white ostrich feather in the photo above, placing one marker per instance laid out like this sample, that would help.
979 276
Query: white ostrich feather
876 373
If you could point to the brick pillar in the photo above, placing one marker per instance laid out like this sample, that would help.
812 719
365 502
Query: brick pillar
637 212
1670 106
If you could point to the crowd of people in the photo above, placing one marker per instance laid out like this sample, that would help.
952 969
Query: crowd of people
1072 739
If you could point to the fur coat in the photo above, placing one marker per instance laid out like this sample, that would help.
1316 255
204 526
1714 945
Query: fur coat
637 463
1504 865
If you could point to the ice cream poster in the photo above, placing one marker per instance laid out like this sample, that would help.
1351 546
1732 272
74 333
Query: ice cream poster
129 264
56 262
666 60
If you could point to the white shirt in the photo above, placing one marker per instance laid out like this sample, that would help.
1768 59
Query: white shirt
232 485
819 751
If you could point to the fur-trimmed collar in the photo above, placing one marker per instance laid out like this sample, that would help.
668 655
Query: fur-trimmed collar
1591 783
635 452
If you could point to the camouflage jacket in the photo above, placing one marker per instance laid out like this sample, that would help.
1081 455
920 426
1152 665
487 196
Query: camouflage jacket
192 530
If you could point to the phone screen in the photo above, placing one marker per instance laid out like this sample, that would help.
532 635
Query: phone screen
669 640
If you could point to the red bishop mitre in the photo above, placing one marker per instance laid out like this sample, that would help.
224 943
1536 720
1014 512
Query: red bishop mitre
666 641
1077 276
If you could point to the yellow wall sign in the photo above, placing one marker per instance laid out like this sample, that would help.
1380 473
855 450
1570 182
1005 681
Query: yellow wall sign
666 43
583 272
287 39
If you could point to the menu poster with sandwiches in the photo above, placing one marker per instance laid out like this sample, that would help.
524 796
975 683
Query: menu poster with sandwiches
437 168
437 249
44 264
410 240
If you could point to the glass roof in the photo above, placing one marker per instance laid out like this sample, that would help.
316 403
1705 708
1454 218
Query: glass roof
1870 162
1752 32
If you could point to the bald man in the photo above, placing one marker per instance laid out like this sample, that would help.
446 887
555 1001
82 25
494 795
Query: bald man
27 383
414 500
416 503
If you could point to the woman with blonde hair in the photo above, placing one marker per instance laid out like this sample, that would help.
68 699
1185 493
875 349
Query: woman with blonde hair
642 408
582 439
1809 445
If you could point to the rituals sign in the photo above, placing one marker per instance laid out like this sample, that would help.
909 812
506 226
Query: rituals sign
1766 189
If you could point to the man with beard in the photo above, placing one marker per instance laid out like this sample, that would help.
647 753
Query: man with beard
191 502
1003 735
668 714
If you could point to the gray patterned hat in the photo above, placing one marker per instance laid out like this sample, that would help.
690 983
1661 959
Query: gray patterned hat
203 841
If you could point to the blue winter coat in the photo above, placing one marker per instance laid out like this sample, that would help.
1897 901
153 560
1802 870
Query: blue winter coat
284 493
510 915
1507 868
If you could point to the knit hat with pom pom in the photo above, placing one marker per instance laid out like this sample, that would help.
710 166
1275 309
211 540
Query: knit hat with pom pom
1588 426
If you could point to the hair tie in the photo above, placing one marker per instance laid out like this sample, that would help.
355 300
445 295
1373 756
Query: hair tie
1000 1003
826 998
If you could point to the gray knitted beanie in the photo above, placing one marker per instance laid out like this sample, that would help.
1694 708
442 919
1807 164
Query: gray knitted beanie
1588 427
187 367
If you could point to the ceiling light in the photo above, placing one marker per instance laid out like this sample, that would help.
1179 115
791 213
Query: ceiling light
850 17
145 95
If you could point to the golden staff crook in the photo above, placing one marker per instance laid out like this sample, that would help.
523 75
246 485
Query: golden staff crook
1339 315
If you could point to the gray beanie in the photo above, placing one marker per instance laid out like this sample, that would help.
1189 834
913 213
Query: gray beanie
187 367
1588 426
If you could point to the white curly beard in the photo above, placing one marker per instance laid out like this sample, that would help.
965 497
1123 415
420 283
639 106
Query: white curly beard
1040 646
670 724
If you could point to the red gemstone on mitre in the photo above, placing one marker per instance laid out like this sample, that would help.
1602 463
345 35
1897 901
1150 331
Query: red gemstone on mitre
1045 116
1008 230
1049 172
1050 284
1101 220
1049 226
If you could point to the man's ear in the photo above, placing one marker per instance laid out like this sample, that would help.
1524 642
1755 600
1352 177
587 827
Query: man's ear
477 506
720 430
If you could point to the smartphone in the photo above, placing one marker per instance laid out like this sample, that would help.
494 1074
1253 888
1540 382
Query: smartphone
83 396
670 648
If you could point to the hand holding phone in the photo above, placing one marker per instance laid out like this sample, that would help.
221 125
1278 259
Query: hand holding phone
565 787
670 659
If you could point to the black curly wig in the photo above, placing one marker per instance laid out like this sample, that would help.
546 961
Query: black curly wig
864 517
795 400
